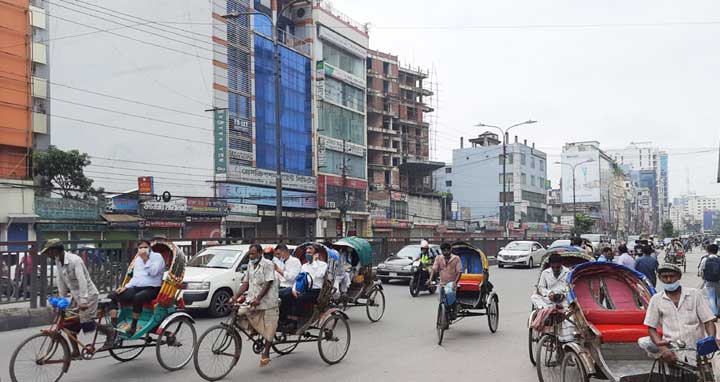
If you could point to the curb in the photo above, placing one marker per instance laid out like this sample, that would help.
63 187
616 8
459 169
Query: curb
21 318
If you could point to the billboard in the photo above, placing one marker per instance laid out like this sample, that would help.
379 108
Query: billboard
587 177
242 194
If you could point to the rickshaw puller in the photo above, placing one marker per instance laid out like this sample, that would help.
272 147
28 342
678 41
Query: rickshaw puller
553 281
449 267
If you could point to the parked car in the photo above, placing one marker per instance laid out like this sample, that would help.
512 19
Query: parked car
399 265
525 253
560 243
213 276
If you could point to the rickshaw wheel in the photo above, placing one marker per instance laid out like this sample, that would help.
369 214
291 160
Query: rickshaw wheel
441 325
493 313
573 369
334 339
375 306
286 347
549 359
220 347
176 345
129 354
533 339
38 348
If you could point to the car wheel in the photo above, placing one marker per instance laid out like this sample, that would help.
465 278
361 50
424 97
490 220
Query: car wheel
220 303
530 264
501 265
384 280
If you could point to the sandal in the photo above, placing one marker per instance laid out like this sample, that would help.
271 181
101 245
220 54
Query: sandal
264 362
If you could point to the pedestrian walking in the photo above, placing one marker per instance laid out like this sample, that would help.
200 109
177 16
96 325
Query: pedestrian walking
624 258
710 272
647 264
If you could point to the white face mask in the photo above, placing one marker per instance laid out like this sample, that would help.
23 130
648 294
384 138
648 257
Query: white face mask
143 250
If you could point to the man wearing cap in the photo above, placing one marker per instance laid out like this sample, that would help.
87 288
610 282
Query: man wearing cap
682 313
553 281
74 278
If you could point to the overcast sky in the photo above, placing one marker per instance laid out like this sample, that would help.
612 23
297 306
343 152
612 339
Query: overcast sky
613 71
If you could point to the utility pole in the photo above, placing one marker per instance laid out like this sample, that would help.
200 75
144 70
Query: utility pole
573 167
344 203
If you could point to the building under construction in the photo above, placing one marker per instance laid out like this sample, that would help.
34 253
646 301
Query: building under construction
402 199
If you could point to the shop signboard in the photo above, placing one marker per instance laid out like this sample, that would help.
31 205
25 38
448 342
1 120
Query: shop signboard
242 209
72 227
118 204
206 206
337 145
220 117
146 185
66 209
242 194
262 177
176 207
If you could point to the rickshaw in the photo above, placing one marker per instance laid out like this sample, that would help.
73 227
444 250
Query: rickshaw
474 295
363 290
674 254
162 324
571 256
218 349
607 306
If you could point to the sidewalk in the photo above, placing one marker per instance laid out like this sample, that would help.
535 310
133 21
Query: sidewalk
19 315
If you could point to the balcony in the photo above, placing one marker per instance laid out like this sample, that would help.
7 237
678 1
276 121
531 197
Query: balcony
382 148
382 130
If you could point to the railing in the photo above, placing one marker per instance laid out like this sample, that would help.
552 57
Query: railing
32 281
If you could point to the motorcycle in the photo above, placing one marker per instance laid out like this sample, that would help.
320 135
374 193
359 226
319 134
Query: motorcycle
418 282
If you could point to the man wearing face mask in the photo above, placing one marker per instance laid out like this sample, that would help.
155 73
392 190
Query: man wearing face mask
261 312
143 287
683 314
315 268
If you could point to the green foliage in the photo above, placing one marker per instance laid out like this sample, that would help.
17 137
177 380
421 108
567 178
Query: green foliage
668 230
61 172
583 224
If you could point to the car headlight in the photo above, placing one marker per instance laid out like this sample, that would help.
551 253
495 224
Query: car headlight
197 285
381 265
407 267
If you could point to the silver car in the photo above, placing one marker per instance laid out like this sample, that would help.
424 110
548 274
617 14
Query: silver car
524 253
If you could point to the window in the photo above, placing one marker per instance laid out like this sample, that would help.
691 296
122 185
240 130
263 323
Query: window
448 170
532 162
500 159
386 68
523 178
448 183
522 159
340 123
369 63
344 94
345 61
542 165
532 180
510 158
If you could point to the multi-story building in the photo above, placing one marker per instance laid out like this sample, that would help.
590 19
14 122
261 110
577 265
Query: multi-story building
643 157
24 107
696 205
402 198
593 174
475 179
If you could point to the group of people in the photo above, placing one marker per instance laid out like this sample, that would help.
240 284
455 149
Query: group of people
74 279
675 314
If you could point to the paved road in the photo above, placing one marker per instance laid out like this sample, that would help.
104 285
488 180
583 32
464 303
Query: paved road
402 345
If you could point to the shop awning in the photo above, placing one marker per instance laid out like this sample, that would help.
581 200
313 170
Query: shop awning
242 219
121 218
21 218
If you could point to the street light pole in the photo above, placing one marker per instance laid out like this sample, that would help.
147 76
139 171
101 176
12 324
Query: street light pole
504 132
573 167
278 115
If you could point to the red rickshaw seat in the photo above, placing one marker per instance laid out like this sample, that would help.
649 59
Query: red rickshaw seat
621 333
469 285
605 317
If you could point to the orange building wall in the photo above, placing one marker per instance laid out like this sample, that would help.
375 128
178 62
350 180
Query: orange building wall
15 126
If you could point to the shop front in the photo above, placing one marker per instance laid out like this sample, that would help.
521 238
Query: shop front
68 219
163 218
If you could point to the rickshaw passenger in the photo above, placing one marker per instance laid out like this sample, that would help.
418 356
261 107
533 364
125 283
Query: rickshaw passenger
261 312
143 287
316 269
553 280
287 269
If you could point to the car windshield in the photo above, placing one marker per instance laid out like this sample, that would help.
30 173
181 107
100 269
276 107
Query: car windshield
215 258
410 251
517 246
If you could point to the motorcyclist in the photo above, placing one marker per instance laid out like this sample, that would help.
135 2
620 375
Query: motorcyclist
426 256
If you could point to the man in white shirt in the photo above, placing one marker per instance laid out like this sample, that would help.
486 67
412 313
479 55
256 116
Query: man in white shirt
553 281
287 269
625 258
316 268
147 277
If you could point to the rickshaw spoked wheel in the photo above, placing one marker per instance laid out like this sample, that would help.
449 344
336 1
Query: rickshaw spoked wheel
549 358
493 313
176 345
442 324
133 349
217 352
533 339
41 357
283 346
375 306
573 369
334 339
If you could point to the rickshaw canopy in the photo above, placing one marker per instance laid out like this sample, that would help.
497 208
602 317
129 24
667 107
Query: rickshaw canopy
473 259
571 256
360 246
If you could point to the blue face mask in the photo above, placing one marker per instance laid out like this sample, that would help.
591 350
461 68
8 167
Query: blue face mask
672 287
309 257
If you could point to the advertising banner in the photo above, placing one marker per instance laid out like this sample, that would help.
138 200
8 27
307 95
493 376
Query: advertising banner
146 185
206 206
220 134
262 177
66 209
118 204
261 196
587 179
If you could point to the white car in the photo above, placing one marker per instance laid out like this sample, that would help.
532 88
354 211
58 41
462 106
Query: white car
525 253
213 277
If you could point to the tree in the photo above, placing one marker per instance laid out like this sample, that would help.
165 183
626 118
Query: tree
583 224
668 229
61 172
